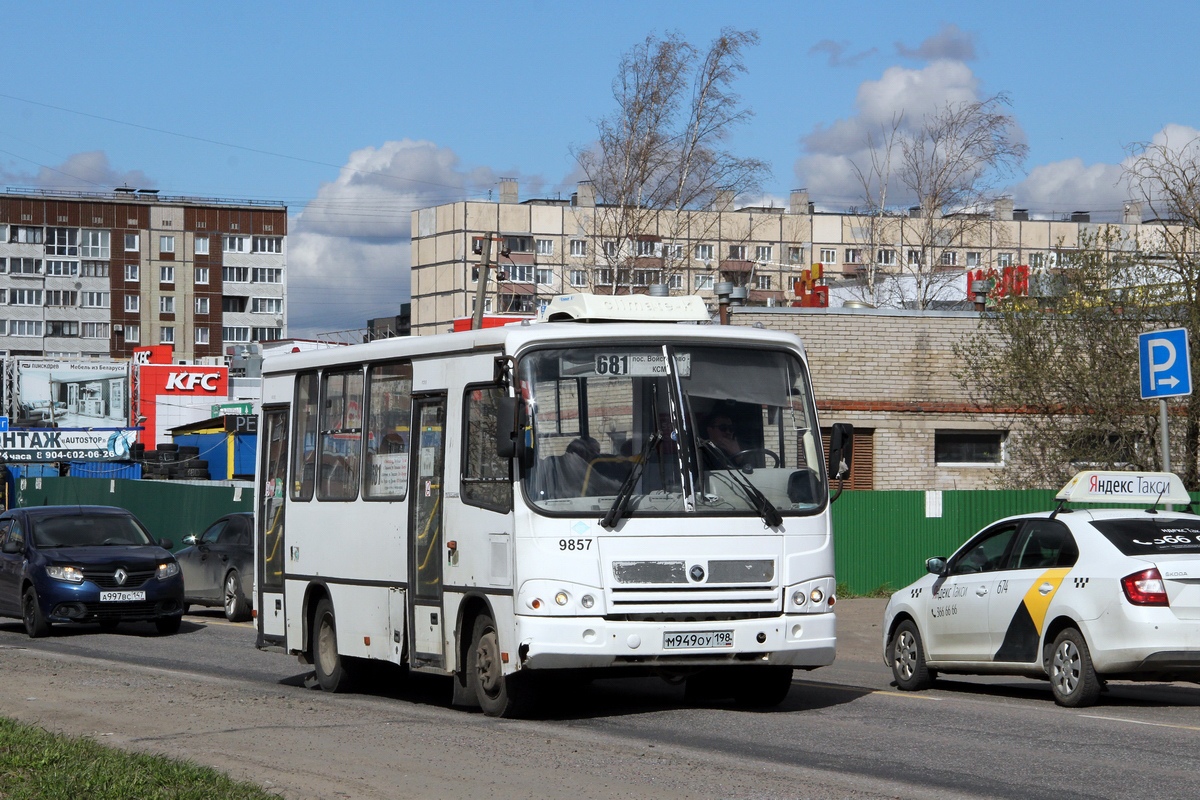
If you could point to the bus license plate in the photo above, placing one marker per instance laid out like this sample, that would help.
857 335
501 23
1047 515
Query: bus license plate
122 597
697 640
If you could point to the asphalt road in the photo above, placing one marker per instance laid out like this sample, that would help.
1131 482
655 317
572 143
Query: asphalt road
844 730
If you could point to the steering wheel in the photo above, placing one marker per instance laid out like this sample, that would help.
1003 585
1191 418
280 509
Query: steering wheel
737 457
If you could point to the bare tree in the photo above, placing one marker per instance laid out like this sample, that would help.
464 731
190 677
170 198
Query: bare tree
949 167
663 150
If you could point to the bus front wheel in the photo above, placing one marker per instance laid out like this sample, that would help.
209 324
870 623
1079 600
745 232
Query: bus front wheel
498 695
332 670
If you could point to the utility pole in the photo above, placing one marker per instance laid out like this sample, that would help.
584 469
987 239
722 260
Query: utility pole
481 284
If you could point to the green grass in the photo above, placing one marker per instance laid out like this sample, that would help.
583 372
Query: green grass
845 593
38 765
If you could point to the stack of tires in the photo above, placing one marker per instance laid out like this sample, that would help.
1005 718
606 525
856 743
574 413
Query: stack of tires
170 461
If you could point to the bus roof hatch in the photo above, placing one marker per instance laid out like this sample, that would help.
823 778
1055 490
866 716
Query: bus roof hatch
625 308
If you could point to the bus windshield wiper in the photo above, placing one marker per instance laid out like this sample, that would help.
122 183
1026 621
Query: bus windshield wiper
762 504
621 501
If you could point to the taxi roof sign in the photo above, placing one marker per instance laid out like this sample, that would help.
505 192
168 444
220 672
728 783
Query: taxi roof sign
625 308
1135 488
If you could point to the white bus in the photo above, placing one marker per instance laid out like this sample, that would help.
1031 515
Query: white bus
558 498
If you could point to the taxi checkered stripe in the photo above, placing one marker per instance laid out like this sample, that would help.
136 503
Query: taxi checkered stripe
915 593
1081 582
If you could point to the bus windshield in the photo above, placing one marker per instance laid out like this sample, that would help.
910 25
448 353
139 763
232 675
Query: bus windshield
673 429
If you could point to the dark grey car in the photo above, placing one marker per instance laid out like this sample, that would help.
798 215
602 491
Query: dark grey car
218 567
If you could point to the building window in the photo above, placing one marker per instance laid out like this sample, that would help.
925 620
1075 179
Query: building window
675 281
1004 259
231 304
704 252
166 244
795 254
166 335
579 277
519 273
673 251
949 258
133 303
62 242
763 252
886 258
516 304
166 274
95 244
611 249
704 282
914 258
853 255
268 275
603 276
201 245
762 281
166 305
95 299
131 246
545 247
133 333
266 334
94 330
828 255
62 328
63 269
200 275
235 244
23 234
56 297
518 244
969 447
1037 260
235 274
268 244
201 305
132 272
25 266
235 333
644 277
94 269
25 297
737 252
545 277
645 248
25 327
266 305
974 258
578 248
201 335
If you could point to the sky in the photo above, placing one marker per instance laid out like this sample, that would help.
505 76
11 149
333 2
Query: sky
355 114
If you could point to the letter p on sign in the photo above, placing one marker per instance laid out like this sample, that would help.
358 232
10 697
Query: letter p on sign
1164 364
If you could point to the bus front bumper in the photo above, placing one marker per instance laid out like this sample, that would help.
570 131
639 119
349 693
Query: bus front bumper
799 640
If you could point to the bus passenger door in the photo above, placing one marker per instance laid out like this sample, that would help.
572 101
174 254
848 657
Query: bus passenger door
425 530
268 541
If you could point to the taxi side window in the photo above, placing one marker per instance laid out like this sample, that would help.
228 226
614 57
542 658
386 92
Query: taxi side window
14 540
1045 543
987 553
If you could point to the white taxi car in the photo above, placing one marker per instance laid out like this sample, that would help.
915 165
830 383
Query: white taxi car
1076 595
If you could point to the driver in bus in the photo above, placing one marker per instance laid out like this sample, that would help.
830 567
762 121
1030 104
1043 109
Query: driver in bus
718 429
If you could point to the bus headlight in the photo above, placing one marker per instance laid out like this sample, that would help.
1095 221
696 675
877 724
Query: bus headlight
816 595
587 601
799 598
561 598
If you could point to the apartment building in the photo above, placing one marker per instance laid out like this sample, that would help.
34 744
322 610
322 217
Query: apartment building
546 247
96 274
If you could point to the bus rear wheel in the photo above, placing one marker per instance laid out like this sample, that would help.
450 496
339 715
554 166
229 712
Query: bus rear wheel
498 695
332 670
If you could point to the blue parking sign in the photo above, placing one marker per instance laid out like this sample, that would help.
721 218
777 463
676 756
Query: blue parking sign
1165 364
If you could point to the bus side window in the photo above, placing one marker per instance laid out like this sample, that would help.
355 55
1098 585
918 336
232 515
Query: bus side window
305 438
486 477
341 435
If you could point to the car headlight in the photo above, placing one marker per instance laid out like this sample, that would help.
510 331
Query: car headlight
68 574
167 569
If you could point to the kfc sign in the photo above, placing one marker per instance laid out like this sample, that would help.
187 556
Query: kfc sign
188 381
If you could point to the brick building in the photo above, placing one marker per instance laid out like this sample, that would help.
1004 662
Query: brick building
96 274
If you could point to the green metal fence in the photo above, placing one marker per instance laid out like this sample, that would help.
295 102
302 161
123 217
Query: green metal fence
882 539
169 509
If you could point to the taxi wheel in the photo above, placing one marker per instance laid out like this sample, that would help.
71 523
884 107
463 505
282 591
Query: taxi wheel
908 659
1073 679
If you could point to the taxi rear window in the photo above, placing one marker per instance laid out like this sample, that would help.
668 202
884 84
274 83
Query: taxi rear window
1143 537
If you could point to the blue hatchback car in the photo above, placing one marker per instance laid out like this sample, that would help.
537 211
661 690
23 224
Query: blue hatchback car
85 564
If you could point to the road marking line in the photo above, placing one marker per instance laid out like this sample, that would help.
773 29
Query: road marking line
1140 722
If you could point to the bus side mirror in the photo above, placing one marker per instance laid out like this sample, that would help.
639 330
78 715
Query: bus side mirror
841 450
506 427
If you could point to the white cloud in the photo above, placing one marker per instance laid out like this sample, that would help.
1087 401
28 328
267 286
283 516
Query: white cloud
1071 185
83 171
349 248
950 42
